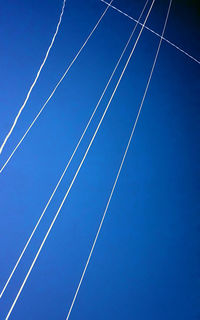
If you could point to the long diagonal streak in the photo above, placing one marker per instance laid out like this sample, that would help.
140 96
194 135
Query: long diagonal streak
82 161
157 34
54 90
120 168
34 82
72 156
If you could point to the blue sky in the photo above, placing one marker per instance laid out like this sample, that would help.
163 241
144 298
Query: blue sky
146 261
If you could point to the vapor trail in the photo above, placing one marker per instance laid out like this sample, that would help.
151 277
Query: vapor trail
34 82
154 32
54 90
76 174
119 171
68 163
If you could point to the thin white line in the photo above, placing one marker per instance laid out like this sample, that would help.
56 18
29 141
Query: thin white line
82 161
60 180
34 82
118 173
59 82
157 34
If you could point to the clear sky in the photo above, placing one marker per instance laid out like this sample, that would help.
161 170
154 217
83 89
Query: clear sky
146 261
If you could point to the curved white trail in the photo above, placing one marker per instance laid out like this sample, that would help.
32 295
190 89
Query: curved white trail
72 156
54 90
34 82
120 168
82 161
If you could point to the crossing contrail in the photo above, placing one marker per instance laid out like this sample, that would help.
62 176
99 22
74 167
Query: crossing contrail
34 82
119 170
80 165
154 32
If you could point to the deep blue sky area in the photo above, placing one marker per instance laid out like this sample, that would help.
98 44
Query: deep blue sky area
146 262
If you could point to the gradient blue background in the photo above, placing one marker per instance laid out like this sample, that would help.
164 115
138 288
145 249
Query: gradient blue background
146 261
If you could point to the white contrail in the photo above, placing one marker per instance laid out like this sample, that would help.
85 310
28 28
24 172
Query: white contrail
82 161
72 156
54 90
119 171
34 82
154 32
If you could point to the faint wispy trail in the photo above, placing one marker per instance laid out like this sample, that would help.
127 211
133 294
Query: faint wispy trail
120 168
154 32
34 82
57 85
71 158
